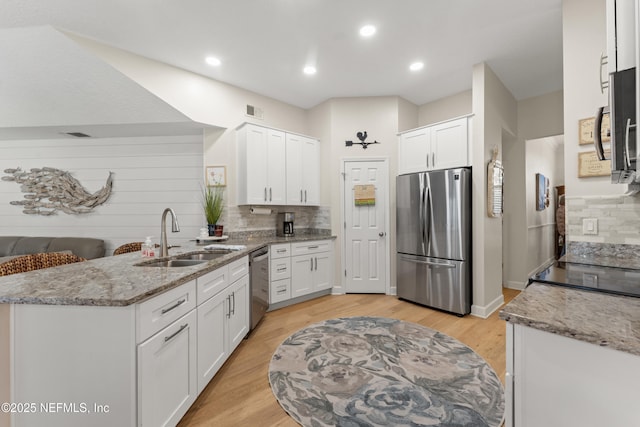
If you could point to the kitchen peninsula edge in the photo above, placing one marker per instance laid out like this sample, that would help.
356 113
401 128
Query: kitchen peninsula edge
118 280
71 335
573 358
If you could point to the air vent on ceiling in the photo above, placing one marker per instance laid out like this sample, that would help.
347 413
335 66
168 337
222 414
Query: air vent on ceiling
78 134
254 112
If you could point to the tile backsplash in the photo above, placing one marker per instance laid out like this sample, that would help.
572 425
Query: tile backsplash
618 219
239 219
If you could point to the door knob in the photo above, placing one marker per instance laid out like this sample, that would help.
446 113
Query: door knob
382 234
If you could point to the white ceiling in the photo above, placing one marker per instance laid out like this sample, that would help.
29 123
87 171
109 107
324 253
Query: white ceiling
264 44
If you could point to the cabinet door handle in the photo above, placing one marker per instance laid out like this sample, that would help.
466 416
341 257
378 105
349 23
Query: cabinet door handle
313 247
265 194
626 142
229 308
233 310
604 60
282 269
433 160
176 305
170 337
427 160
305 196
280 251
270 198
316 259
300 195
311 263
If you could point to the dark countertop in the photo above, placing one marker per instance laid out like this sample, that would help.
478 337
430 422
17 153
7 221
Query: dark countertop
117 280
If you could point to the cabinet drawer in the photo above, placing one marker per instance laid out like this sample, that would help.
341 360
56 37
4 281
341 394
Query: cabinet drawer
313 247
158 312
280 269
211 283
280 290
238 268
280 250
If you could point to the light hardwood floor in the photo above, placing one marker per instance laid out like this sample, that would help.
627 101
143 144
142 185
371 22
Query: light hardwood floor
240 395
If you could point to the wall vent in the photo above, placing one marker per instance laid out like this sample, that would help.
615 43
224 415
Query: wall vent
254 112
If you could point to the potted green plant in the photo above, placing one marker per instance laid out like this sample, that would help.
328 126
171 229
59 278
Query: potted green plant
212 202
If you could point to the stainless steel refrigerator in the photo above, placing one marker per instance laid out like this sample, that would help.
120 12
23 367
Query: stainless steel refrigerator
433 224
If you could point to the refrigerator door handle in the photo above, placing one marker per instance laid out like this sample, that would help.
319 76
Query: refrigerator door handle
427 262
422 212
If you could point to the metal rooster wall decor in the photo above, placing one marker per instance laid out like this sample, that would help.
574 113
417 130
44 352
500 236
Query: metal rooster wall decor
49 190
361 136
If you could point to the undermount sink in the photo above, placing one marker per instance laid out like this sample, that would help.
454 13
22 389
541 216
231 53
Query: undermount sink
172 263
187 259
205 256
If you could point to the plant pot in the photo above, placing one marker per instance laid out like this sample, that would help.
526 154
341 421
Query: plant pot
212 229
218 230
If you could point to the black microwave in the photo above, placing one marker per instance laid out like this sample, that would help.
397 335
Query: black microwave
622 117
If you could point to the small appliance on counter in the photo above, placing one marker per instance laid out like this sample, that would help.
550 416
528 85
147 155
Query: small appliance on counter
284 224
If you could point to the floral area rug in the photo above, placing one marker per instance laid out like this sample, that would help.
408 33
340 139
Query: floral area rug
374 371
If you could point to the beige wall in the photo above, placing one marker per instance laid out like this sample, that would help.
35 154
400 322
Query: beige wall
538 117
447 108
205 101
494 110
584 38
344 117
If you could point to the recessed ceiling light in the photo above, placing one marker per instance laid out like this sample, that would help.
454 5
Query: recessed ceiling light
416 66
310 70
367 31
212 60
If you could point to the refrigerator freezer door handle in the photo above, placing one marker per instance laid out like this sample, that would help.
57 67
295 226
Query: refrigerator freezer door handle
422 212
424 261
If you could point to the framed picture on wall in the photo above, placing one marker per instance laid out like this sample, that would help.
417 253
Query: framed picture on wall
216 176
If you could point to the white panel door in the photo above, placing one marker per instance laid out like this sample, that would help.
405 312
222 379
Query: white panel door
257 168
295 191
365 229
311 171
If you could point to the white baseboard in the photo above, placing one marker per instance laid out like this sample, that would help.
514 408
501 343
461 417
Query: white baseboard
485 311
515 285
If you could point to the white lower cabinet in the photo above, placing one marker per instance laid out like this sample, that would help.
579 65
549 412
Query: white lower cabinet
311 270
223 321
556 381
167 381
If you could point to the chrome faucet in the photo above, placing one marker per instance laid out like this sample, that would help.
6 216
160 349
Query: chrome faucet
164 249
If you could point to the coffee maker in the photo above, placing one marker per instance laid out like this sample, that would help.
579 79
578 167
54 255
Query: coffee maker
284 223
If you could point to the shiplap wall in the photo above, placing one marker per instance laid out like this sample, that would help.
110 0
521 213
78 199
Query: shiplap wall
150 174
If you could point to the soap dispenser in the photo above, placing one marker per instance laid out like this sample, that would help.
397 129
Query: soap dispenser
148 248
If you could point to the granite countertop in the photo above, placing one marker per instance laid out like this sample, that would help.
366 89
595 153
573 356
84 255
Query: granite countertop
606 320
604 261
116 280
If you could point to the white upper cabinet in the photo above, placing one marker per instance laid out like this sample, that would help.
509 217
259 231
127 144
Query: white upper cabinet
276 167
303 170
621 34
261 166
441 146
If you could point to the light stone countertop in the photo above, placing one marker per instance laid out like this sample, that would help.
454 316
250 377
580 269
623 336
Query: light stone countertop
116 280
602 319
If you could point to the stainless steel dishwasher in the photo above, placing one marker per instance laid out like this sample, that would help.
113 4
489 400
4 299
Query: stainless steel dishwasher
259 284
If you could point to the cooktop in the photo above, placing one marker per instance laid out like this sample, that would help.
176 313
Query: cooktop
612 280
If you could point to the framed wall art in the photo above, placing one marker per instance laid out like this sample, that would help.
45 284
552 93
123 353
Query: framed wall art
589 165
586 129
216 176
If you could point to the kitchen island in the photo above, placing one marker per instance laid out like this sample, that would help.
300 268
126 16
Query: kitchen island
573 358
110 342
